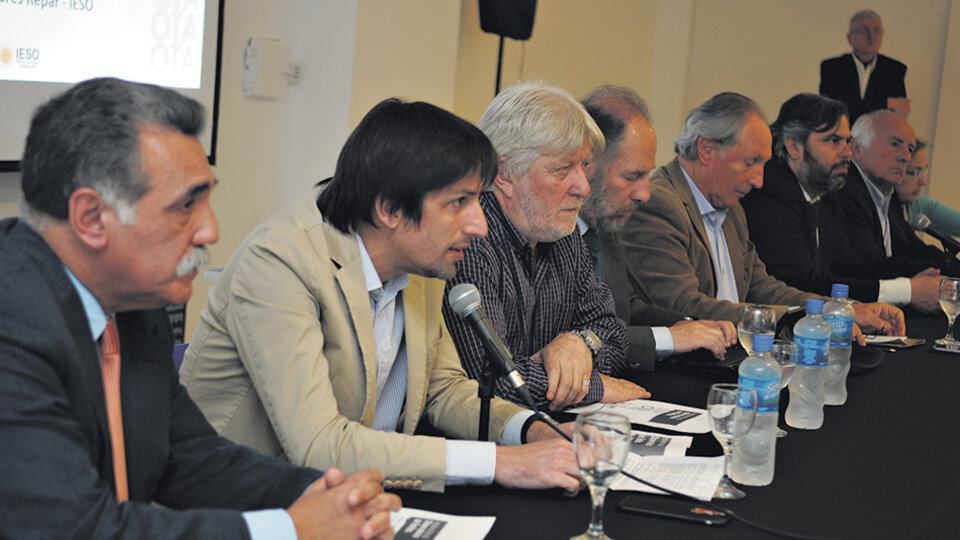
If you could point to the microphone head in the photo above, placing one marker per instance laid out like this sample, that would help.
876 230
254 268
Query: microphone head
464 298
920 222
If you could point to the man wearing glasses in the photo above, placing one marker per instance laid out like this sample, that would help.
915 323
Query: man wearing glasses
865 80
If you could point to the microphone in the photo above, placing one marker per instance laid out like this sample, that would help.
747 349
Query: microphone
465 301
922 223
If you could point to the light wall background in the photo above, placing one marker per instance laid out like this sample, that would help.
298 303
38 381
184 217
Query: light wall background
676 53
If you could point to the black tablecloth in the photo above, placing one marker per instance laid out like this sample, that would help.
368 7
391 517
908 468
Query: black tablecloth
882 466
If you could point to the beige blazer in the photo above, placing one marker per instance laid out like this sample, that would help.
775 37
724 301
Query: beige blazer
283 358
668 254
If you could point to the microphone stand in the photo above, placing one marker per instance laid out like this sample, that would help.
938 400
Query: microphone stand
485 392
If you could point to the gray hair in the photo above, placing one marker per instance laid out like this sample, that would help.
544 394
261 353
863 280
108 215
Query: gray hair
863 14
864 130
531 119
720 119
89 136
611 107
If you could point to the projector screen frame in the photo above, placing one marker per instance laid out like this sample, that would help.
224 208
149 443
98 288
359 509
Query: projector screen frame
14 165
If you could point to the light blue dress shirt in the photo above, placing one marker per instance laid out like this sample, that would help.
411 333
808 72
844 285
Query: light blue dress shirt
713 220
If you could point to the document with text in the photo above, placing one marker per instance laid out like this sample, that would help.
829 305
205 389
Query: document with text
413 524
644 443
694 476
656 414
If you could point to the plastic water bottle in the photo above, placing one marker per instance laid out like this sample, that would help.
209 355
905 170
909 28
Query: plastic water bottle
811 335
839 314
753 455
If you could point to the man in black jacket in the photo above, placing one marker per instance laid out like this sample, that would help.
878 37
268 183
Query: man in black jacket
796 219
865 80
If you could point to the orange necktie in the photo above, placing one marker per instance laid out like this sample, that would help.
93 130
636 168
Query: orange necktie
110 349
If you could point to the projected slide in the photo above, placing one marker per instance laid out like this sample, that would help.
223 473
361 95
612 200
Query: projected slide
67 41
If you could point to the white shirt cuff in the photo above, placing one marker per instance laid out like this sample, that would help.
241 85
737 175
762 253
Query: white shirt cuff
470 462
273 524
512 430
894 291
663 340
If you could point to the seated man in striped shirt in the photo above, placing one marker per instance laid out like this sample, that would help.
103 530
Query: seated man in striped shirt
533 270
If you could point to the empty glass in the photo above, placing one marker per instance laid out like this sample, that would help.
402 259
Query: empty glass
731 410
601 441
785 353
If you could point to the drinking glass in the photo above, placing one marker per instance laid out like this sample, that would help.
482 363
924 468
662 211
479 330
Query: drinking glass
731 410
755 319
785 353
950 303
601 441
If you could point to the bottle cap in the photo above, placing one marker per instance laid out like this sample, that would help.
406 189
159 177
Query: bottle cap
814 306
840 290
762 343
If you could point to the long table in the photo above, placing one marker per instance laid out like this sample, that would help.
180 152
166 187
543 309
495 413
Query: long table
884 465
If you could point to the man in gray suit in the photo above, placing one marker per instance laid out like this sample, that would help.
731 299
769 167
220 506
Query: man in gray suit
701 260
619 181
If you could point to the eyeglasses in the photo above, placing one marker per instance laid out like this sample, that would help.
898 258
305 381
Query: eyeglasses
865 31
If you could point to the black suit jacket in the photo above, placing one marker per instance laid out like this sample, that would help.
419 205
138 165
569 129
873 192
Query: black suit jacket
862 226
638 315
783 226
56 472
839 80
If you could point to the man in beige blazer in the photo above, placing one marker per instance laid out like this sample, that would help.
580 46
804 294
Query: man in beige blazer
689 249
319 344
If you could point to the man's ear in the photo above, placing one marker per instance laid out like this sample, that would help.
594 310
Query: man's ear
794 149
386 215
504 184
707 149
89 217
856 149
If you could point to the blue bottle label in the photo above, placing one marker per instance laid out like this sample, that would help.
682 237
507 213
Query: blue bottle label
768 392
841 330
811 351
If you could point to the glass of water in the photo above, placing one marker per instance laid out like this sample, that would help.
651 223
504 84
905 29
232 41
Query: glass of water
601 441
755 319
950 303
785 353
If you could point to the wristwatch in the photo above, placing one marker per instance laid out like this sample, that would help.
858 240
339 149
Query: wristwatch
591 339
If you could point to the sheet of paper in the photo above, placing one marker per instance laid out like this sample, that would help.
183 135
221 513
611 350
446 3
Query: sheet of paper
644 443
413 524
694 476
656 414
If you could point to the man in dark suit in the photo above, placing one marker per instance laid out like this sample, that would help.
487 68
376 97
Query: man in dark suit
796 218
865 80
116 213
876 229
619 180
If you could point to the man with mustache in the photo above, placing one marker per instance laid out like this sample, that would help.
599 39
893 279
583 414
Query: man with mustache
94 424
619 183
796 219
883 143
323 340
533 270
689 248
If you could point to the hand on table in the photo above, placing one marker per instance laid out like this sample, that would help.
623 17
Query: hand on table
568 362
337 506
538 465
713 335
879 318
616 390
925 291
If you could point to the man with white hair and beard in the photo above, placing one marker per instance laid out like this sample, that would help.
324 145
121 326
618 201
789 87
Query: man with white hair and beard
619 183
796 218
533 271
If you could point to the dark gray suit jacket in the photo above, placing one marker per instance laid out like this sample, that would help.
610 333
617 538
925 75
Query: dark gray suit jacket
55 456
638 315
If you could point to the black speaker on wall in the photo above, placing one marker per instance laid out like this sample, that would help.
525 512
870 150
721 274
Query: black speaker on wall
508 18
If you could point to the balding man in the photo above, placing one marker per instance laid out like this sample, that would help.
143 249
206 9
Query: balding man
689 248
619 182
533 270
865 80
882 145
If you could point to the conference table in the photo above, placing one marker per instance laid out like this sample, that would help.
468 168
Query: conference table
884 465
